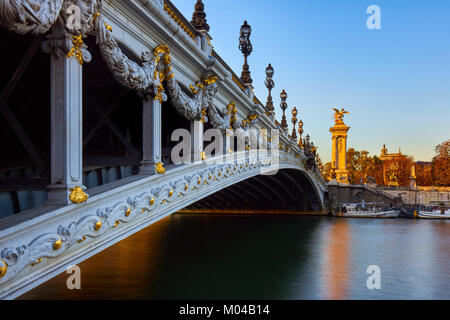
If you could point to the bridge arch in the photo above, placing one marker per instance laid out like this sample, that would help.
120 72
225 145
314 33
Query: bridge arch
292 192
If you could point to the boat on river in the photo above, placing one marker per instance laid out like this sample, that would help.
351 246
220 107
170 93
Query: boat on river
435 212
434 215
367 210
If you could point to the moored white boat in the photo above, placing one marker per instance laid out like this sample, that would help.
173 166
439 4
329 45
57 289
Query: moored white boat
435 214
436 210
369 210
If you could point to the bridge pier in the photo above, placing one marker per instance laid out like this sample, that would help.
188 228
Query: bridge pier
66 119
197 128
151 136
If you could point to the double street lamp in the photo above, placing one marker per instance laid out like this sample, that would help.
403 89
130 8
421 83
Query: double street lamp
270 84
294 123
246 48
283 105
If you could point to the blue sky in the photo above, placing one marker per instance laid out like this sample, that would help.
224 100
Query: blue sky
395 81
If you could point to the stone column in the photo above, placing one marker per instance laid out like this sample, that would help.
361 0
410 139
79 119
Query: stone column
339 150
151 139
66 119
228 146
253 143
197 141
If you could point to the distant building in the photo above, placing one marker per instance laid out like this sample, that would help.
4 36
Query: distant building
390 156
390 166
420 171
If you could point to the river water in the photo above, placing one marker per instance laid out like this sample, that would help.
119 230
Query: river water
267 257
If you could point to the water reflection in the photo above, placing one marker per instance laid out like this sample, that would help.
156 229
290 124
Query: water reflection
336 266
267 257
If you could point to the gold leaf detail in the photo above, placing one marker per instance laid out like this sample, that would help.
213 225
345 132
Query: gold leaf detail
57 244
3 268
160 168
75 51
98 226
78 195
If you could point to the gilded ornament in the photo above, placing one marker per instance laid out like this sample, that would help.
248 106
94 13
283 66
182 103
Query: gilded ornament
98 226
194 91
167 59
95 16
158 96
75 51
127 213
161 49
203 115
152 201
210 80
339 115
3 268
78 195
57 244
37 262
108 27
160 168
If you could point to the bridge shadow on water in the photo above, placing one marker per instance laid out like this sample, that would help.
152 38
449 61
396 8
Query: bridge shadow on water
203 256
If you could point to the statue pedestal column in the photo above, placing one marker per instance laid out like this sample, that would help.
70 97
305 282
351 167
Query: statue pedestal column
339 150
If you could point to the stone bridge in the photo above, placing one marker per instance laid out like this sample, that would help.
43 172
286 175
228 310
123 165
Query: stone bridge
87 122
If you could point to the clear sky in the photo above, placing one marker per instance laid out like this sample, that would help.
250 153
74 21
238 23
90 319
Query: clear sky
395 81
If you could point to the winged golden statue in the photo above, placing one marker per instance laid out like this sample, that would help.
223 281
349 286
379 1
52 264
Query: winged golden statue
339 115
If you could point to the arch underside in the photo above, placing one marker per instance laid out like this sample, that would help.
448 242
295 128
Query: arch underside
288 191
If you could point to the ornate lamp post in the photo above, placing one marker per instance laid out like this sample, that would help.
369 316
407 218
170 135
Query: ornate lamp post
246 48
294 123
270 84
300 132
306 144
283 105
